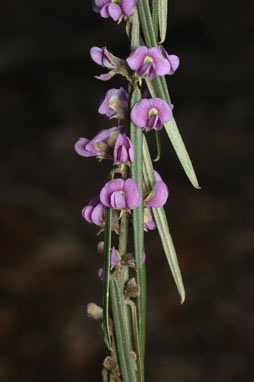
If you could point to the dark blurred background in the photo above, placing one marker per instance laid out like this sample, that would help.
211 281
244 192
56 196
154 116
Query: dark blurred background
48 99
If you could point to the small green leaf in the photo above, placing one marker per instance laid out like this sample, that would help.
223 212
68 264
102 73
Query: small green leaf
181 152
105 277
162 224
127 365
163 18
135 30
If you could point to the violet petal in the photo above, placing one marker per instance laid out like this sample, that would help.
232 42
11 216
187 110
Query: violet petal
132 193
160 195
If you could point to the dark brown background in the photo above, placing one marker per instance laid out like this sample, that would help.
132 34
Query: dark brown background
48 99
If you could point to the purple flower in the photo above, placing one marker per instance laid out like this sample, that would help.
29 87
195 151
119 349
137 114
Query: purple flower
94 212
148 62
160 193
120 194
133 261
123 150
101 145
149 220
115 103
106 59
151 113
172 59
114 8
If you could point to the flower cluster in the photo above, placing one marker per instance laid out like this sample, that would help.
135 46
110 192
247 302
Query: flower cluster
122 193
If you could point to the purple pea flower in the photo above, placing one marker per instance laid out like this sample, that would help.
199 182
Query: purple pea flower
114 8
121 194
148 62
102 57
101 145
123 150
172 59
160 193
106 59
151 113
115 103
94 212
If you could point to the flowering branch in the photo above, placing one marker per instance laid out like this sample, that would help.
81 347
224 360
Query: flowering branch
134 196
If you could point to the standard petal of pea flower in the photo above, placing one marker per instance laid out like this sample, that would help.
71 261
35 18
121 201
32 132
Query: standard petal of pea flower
151 113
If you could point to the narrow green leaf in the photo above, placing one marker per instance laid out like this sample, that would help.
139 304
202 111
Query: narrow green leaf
156 88
146 22
136 135
135 30
163 18
181 152
155 18
158 145
127 365
105 277
162 224
169 249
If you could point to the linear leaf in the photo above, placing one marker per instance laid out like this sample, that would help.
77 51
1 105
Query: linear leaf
158 145
106 272
136 135
181 152
163 18
162 224
155 18
121 334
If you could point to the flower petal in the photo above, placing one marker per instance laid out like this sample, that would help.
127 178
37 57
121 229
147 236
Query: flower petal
87 212
164 110
108 189
97 215
113 258
128 6
117 200
114 11
132 193
160 195
81 148
97 55
139 113
136 59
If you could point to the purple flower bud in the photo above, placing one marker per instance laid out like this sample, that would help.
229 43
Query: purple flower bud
123 150
149 220
115 103
172 59
113 257
94 212
151 113
101 145
114 8
121 194
148 62
160 193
